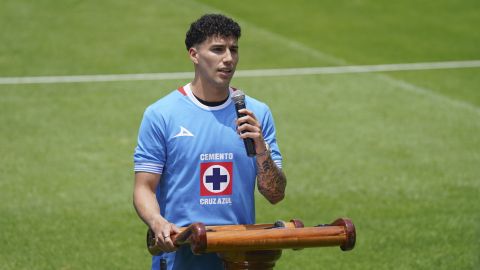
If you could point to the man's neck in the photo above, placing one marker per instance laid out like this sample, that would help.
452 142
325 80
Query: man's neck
209 92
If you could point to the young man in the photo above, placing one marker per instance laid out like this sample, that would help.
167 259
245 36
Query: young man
190 162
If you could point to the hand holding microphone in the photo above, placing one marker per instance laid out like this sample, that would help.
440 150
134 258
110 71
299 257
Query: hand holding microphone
248 126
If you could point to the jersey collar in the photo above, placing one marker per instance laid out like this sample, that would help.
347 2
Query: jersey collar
189 93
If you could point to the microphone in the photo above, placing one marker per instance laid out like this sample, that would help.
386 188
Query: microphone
238 98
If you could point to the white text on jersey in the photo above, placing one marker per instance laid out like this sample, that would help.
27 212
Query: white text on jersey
216 156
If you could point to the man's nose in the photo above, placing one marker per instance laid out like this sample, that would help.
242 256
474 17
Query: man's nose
228 56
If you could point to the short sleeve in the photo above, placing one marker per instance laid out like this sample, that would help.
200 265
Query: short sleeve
150 153
268 130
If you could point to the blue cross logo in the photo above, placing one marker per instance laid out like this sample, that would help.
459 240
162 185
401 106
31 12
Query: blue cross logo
216 179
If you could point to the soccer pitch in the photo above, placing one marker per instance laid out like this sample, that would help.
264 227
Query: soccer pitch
397 152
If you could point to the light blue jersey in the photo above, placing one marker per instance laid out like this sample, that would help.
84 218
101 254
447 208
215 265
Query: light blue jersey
206 175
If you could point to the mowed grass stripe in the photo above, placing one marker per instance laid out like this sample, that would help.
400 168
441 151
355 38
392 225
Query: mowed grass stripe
246 73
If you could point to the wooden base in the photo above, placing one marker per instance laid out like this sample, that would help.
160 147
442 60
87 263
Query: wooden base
250 260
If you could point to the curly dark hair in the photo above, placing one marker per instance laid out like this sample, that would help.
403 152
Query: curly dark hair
211 25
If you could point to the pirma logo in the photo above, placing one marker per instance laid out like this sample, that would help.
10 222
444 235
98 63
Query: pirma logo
183 133
216 178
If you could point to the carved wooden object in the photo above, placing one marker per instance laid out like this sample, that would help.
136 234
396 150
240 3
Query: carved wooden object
259 246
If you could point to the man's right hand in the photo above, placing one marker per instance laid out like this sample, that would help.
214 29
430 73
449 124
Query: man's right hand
146 205
163 230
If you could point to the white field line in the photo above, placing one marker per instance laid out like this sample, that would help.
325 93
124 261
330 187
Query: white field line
96 78
245 73
359 69
431 94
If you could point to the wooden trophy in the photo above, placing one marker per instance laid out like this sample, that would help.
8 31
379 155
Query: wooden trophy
259 246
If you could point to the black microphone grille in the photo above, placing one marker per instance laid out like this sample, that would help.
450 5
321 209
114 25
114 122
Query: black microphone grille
238 95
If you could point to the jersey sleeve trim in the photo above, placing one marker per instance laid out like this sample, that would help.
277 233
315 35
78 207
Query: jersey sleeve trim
278 162
148 167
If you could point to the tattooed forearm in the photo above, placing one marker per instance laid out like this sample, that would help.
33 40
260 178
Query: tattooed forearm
271 180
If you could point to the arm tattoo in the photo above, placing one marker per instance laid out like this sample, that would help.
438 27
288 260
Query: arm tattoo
271 181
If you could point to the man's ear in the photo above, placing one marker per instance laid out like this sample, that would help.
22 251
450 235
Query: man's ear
193 54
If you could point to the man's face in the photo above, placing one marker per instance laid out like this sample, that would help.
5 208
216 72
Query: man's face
216 59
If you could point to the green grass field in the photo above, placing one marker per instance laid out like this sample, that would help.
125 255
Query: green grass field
397 152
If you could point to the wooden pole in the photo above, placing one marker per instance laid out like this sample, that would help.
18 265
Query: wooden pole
274 239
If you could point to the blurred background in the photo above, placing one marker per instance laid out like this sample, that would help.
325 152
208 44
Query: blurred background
395 151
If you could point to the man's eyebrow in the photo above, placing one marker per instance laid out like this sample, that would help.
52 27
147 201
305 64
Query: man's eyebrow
222 44
218 45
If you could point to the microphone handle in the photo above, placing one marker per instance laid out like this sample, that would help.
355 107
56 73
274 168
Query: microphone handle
250 147
249 144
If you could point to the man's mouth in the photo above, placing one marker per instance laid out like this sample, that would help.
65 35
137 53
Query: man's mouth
225 70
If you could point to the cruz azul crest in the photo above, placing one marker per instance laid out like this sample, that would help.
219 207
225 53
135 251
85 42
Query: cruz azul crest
216 178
